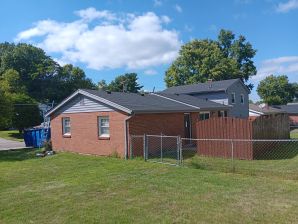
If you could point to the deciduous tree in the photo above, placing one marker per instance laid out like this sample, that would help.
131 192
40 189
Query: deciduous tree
276 90
224 58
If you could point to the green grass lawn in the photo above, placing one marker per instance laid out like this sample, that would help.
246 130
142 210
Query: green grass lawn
294 133
71 188
282 168
12 135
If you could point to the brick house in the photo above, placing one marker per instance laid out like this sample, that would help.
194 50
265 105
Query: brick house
100 122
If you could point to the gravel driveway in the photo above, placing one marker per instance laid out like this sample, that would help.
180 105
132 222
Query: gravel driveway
9 144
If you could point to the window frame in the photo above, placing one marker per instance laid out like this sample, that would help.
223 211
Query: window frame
222 113
242 98
99 126
204 113
64 132
233 97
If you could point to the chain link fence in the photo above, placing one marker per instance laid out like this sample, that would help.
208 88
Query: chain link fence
274 157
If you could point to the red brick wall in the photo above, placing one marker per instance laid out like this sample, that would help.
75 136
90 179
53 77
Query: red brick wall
84 130
294 120
155 124
84 134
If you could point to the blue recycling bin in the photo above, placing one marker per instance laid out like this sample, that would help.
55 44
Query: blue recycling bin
36 137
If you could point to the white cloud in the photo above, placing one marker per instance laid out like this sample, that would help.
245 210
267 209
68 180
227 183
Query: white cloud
178 8
150 72
91 13
284 7
277 66
130 41
157 3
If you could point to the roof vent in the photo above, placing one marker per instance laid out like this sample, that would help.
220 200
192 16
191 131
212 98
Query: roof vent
177 94
108 92
142 94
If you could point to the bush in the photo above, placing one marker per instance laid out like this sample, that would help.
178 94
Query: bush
48 146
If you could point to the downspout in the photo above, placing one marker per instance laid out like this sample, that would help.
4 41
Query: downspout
126 134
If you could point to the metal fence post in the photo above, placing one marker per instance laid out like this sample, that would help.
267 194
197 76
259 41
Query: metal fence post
130 147
161 153
145 146
178 150
233 165
181 153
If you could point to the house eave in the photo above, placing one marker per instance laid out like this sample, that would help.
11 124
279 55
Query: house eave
100 99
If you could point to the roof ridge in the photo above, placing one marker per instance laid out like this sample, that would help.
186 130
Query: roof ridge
177 101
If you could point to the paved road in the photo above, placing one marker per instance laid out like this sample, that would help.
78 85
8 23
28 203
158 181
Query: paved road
9 144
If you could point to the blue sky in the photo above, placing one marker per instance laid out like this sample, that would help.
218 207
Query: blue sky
108 38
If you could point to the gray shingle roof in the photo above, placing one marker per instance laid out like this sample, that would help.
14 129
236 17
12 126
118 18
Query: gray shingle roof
153 103
291 109
214 86
201 103
266 110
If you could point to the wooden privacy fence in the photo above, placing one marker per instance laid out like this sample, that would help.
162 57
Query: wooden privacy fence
264 127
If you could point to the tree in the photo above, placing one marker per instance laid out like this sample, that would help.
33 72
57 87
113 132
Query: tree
200 60
125 83
276 90
43 79
68 80
11 82
102 85
5 111
25 113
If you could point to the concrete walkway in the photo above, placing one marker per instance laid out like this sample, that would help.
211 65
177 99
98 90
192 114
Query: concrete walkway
9 144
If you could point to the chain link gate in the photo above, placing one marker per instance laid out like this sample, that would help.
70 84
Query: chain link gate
157 148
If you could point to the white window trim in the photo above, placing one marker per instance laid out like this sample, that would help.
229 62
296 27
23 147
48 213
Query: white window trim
204 112
99 126
64 126
222 113
242 97
233 94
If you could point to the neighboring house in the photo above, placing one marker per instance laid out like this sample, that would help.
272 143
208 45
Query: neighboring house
100 122
292 110
228 92
263 109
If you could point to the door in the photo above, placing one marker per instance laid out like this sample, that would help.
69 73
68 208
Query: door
187 126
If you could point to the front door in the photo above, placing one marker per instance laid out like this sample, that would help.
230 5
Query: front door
187 126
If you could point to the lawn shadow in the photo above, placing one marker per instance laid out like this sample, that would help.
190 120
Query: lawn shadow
17 135
18 154
275 151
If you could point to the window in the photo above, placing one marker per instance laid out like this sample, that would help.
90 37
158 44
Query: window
233 98
242 98
66 125
222 113
204 115
104 126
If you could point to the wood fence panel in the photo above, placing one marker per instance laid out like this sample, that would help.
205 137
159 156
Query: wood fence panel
264 127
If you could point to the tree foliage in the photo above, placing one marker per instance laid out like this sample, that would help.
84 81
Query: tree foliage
6 109
26 112
122 83
43 78
276 90
27 77
200 60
